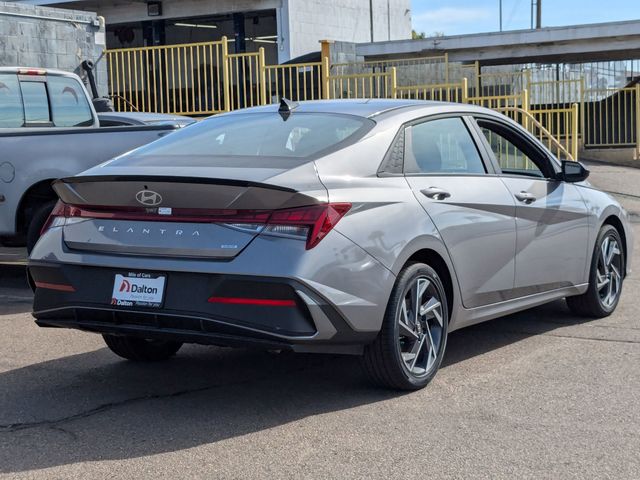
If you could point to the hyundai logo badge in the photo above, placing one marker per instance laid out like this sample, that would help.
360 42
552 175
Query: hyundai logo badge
149 198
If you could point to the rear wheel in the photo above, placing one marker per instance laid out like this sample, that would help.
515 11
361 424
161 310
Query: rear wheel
409 348
605 277
140 349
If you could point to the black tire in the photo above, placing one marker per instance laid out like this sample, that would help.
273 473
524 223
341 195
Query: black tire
140 349
37 222
383 359
591 303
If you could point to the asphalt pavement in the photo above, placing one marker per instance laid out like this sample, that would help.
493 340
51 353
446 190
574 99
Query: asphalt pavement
539 394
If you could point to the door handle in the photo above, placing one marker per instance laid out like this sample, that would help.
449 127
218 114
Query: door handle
435 193
526 197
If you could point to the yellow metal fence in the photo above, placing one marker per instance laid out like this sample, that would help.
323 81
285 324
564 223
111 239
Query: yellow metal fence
204 78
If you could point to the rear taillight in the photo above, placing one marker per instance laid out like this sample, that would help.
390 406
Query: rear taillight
311 223
57 217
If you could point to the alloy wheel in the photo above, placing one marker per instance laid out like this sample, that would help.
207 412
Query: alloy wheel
608 271
420 333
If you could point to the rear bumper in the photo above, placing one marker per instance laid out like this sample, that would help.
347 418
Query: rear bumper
78 297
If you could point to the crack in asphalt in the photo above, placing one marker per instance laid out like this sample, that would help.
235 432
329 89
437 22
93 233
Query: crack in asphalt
55 423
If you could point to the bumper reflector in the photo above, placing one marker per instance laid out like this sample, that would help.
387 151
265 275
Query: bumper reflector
264 302
60 287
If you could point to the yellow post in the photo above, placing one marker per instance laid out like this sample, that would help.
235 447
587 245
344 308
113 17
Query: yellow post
574 131
637 121
225 74
582 109
477 72
325 78
446 67
325 56
262 76
465 90
525 107
394 82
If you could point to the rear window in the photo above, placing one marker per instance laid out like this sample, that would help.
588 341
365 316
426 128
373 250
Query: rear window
11 111
252 135
69 105
36 102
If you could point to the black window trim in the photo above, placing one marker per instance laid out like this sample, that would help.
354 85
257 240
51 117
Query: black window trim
473 133
551 167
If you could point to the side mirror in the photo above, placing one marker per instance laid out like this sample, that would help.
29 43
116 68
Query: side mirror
573 171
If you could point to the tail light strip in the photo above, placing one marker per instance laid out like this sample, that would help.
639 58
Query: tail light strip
312 223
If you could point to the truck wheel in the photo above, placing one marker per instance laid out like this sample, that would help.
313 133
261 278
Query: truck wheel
36 224
140 349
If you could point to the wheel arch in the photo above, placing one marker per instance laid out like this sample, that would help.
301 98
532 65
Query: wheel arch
438 263
616 223
37 194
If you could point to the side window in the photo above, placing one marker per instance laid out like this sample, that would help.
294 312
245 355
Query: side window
11 110
510 156
442 146
36 102
69 105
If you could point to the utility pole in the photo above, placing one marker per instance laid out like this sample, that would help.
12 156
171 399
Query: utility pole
500 15
538 14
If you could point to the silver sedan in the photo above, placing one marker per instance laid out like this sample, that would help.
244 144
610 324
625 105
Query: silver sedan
367 227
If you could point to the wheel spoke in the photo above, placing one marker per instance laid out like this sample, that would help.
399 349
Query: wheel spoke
432 348
601 281
613 250
415 351
603 253
405 329
429 306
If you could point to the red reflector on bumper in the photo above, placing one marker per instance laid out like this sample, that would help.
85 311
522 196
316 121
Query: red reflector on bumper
55 286
264 302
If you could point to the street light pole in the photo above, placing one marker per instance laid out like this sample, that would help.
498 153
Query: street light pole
500 8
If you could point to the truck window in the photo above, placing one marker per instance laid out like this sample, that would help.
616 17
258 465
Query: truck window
69 105
11 111
36 102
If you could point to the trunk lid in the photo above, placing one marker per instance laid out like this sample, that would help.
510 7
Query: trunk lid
211 215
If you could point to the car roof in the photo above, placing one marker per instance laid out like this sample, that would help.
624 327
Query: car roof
362 107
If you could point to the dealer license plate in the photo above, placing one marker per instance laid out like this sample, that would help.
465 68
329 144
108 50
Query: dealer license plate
136 289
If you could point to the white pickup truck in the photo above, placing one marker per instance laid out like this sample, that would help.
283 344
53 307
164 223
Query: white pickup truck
48 130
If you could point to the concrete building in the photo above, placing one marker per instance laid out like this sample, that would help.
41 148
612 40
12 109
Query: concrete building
51 38
285 28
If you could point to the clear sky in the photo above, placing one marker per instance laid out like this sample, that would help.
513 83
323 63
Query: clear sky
453 17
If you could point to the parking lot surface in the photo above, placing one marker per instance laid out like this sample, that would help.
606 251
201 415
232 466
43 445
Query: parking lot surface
539 394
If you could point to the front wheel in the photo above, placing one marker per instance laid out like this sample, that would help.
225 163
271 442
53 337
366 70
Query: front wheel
409 348
141 349
605 277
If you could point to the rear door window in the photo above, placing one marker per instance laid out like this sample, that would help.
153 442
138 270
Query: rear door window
69 104
36 102
11 110
442 146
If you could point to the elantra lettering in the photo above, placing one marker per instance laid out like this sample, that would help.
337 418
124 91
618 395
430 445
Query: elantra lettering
147 231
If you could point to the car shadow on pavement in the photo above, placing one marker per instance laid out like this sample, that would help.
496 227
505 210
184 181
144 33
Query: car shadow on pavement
92 406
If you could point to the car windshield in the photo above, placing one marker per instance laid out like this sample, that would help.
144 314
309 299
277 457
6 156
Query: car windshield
299 136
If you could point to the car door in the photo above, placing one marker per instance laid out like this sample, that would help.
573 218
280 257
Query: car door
551 216
470 206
